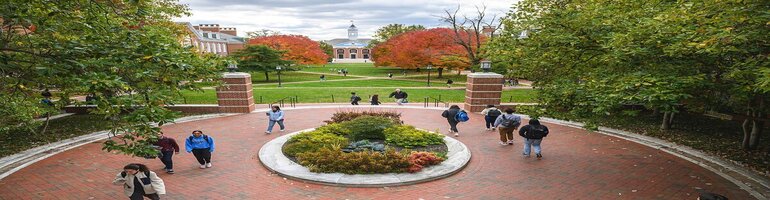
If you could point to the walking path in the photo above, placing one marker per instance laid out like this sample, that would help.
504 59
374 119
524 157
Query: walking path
577 164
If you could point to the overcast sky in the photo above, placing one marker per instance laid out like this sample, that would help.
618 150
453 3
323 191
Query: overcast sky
329 19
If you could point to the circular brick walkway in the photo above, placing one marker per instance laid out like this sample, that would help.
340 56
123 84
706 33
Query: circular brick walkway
577 165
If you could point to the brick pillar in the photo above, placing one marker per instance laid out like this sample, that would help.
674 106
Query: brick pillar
236 96
482 89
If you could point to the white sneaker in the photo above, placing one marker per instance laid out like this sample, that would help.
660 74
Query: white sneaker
503 143
203 166
510 142
282 130
488 129
208 165
267 132
457 134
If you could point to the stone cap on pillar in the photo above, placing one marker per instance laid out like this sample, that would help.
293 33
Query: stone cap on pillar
485 75
236 75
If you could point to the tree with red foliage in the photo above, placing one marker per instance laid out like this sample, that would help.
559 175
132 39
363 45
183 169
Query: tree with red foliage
298 48
417 49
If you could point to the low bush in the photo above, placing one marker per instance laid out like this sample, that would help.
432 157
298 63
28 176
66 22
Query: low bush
336 129
340 117
408 136
312 141
333 160
419 160
368 127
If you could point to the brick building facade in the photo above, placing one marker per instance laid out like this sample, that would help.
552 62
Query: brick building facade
351 49
211 38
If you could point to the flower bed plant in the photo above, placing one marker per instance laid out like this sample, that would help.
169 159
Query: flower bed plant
366 144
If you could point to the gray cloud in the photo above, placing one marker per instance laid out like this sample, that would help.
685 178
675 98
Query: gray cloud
325 19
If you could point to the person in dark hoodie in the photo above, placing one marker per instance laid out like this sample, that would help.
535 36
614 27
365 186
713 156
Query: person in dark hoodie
168 147
533 135
450 114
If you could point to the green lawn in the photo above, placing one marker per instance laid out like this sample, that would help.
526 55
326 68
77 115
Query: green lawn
314 95
291 76
365 83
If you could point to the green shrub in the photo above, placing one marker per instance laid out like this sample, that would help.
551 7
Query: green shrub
368 127
312 141
340 117
407 136
333 160
336 129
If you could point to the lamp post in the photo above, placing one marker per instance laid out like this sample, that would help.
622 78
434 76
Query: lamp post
429 68
279 75
486 65
232 67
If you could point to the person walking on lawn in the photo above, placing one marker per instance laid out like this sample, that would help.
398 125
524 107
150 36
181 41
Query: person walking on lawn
400 96
450 115
490 115
506 124
201 146
533 135
168 147
449 83
139 182
275 115
323 77
354 99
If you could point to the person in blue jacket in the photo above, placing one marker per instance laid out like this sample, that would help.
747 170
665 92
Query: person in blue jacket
275 115
201 146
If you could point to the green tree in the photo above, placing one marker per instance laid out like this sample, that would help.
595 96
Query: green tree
591 58
127 53
328 50
386 32
260 58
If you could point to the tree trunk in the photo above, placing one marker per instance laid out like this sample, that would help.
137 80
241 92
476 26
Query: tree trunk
267 76
671 119
746 133
459 72
440 72
758 125
667 116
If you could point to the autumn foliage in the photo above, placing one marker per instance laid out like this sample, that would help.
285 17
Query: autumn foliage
416 49
299 49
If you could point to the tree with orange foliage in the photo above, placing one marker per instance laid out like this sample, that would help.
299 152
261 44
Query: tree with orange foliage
298 48
418 49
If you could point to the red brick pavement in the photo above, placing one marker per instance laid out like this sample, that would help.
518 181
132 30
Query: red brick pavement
577 165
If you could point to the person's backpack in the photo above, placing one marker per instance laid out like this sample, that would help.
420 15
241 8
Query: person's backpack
205 137
357 98
462 116
538 132
494 113
509 123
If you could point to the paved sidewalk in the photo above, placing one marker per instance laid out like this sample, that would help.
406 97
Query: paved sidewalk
577 165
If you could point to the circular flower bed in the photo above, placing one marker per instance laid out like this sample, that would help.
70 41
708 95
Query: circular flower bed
366 143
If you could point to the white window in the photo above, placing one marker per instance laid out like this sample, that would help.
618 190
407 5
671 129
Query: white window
208 47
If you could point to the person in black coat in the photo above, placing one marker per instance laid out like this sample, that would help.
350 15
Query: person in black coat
533 135
450 114
399 95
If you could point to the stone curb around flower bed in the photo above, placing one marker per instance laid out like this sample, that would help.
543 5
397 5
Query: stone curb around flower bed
16 162
271 156
753 183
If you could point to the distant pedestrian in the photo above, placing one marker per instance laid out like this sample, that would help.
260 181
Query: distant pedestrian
490 115
451 116
46 97
201 146
354 99
506 124
400 96
375 100
275 115
390 75
323 77
168 147
449 83
533 135
139 182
